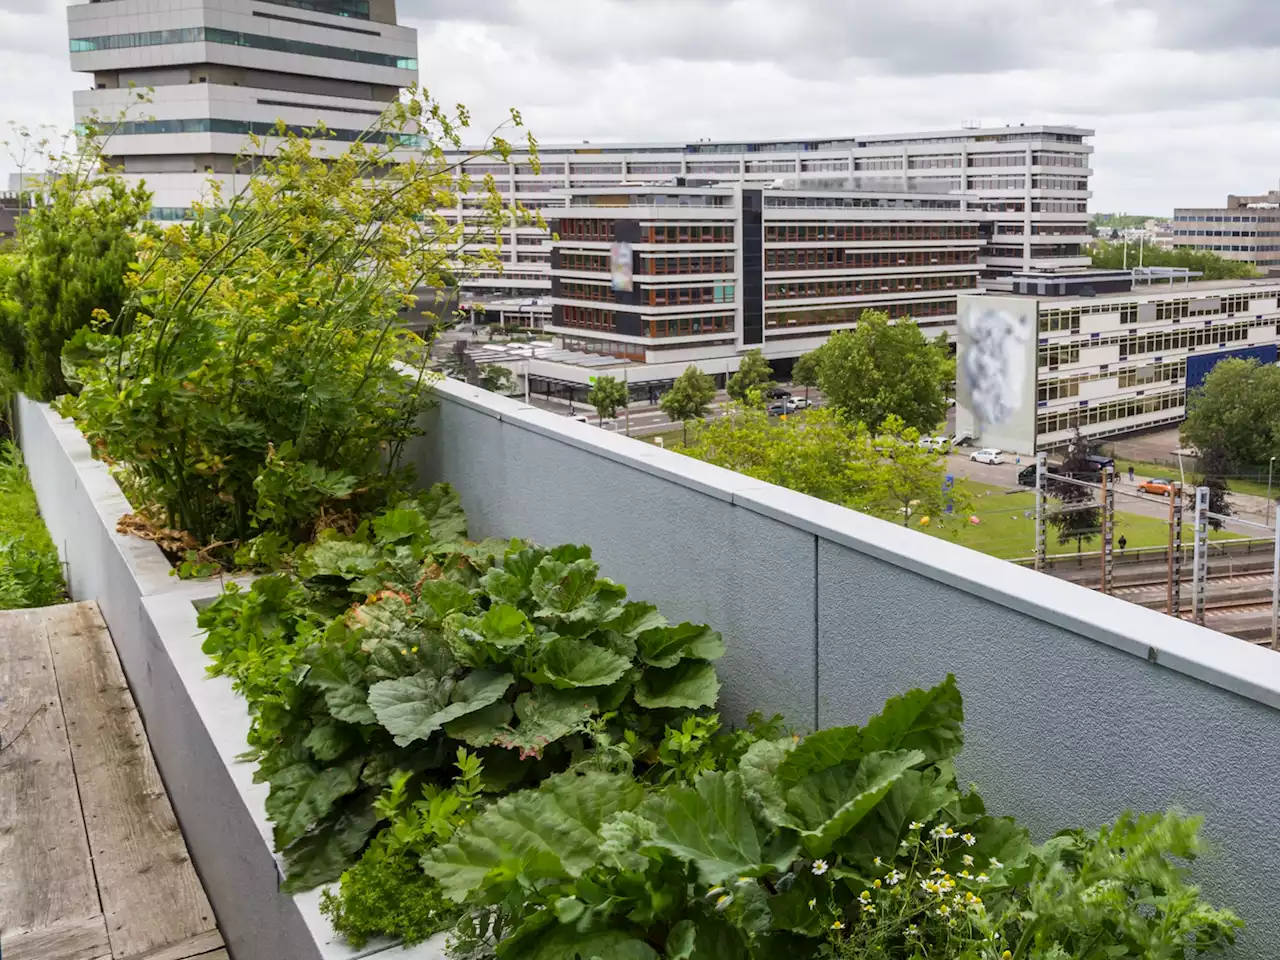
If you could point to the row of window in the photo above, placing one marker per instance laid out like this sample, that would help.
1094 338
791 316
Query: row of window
1114 410
586 291
686 326
1069 386
1010 182
1159 341
835 315
1045 159
262 129
612 348
1244 218
1226 233
839 258
862 203
1059 206
695 233
662 266
672 296
359 9
1058 183
866 232
574 228
862 286
1068 318
156 38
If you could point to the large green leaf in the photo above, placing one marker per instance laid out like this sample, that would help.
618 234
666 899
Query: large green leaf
567 943
302 793
532 836
442 509
818 751
567 662
711 826
930 721
488 637
336 557
439 598
328 741
571 591
918 795
759 771
667 646
545 716
397 525
341 677
688 685
483 727
831 802
413 708
322 855
634 618
509 583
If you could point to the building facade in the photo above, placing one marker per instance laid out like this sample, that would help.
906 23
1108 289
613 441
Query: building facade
666 276
1246 229
221 70
1117 358
1031 184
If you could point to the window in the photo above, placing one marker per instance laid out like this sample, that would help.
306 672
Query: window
359 9
575 228
859 232
1059 420
830 316
157 38
695 233
260 128
864 286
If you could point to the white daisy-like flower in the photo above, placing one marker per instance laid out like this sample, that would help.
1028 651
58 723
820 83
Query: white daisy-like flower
967 860
995 864
983 878
819 867
969 839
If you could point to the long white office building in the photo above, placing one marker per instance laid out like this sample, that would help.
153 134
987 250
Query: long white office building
1031 185
1101 353
224 69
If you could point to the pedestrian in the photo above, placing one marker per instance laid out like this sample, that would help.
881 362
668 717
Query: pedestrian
1131 473
1123 543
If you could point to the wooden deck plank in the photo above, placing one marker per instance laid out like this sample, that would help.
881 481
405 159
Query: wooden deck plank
205 946
151 897
46 876
73 940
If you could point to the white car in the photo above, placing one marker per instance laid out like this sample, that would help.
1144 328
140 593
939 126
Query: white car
936 444
800 403
987 455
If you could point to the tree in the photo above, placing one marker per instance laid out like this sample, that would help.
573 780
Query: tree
911 477
1237 410
496 378
1076 519
75 242
1111 256
688 398
805 371
885 369
255 379
607 395
1215 467
753 374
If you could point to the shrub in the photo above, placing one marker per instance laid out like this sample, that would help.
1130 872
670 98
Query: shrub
73 248
259 387
30 572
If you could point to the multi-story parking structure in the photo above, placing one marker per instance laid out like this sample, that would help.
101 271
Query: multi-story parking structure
1030 182
1247 229
1104 354
224 69
717 271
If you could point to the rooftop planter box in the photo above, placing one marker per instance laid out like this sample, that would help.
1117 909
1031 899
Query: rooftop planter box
1079 705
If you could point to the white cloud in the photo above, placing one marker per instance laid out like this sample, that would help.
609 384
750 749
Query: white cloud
1184 94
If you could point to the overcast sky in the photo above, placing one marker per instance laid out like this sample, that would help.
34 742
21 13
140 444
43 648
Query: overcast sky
1184 94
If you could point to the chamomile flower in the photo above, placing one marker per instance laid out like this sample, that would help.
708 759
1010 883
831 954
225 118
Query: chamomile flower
982 878
813 903
912 929
995 864
917 825
967 860
865 896
837 925
868 908
969 839
878 862
819 867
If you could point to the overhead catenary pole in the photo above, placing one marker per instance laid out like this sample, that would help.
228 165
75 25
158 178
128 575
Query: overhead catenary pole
1040 482
1175 551
1108 528
1275 591
1200 563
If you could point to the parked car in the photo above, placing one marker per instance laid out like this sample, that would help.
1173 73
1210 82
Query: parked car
1157 486
987 455
777 393
779 407
937 444
800 403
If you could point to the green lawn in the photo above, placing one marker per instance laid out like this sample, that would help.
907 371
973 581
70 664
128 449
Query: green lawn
1007 527
1144 471
30 574
671 439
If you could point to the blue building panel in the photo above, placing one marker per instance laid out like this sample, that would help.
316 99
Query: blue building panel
1198 367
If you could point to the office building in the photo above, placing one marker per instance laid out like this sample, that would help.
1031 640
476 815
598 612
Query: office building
1031 183
1101 352
660 277
1246 229
224 69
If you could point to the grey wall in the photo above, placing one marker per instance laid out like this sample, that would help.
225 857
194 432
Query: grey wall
1078 705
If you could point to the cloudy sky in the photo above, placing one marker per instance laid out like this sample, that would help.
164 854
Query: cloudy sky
1184 94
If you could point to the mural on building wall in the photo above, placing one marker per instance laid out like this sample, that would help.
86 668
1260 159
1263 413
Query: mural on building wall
997 369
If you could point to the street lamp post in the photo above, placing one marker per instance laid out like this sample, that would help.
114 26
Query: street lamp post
1270 465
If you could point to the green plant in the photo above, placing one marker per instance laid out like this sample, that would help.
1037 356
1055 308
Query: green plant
886 368
607 394
253 382
30 572
74 244
752 381
385 652
689 398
